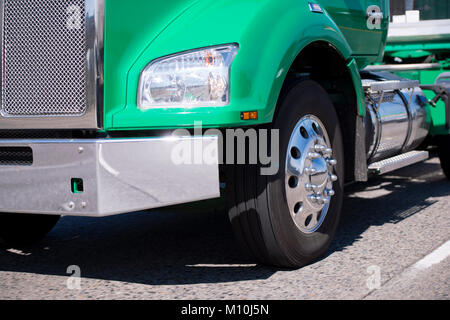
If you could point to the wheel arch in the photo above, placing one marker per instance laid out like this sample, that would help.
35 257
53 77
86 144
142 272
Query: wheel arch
323 62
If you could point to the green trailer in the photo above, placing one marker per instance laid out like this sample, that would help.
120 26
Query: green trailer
420 50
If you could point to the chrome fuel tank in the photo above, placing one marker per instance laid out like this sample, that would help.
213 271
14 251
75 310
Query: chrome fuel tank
396 122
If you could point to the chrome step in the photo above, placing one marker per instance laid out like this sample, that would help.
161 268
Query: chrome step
398 162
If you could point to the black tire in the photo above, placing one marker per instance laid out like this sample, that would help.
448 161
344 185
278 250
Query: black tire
444 154
25 229
258 208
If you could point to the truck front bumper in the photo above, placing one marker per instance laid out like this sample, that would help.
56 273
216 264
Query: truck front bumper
105 177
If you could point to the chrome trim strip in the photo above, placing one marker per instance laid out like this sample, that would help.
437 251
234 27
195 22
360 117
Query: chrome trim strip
93 117
403 67
119 175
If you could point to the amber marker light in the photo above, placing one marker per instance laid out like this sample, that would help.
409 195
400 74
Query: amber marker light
249 115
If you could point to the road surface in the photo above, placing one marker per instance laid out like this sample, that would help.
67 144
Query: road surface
392 243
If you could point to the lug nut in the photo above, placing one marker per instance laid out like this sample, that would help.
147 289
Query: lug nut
330 193
313 198
319 148
311 187
332 162
314 155
310 171
328 151
321 200
333 177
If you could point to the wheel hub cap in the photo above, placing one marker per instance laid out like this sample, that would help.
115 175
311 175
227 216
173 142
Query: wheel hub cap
309 174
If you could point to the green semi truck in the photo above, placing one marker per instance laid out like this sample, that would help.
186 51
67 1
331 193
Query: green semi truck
113 106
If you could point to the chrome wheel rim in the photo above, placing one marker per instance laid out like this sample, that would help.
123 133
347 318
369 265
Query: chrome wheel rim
309 174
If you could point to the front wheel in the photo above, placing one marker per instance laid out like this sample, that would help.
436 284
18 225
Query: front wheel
289 219
17 229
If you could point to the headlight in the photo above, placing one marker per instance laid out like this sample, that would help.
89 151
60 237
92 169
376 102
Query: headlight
191 79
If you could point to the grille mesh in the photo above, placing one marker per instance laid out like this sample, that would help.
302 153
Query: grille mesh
44 58
16 156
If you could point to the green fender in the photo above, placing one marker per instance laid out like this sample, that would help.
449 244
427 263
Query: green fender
270 33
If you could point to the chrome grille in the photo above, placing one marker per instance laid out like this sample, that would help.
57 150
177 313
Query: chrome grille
44 58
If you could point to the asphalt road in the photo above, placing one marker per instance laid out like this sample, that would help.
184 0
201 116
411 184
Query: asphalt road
392 243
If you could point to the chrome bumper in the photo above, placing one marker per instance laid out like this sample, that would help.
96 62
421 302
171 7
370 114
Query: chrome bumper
118 176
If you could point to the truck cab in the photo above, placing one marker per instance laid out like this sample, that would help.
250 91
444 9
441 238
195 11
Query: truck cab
363 23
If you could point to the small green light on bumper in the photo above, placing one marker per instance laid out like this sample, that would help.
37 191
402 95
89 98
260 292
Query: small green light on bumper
77 185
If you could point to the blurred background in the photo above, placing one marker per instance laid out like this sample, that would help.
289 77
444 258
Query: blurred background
429 9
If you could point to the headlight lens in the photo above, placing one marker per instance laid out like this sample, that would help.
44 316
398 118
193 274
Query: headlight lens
191 79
